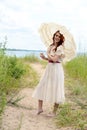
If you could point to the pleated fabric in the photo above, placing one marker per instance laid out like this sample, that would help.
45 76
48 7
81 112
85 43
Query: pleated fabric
51 85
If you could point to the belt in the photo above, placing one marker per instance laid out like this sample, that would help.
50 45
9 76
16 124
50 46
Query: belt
50 61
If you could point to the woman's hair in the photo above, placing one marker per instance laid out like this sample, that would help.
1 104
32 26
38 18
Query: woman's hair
62 39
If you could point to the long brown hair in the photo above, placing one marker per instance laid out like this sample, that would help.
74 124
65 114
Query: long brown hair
62 39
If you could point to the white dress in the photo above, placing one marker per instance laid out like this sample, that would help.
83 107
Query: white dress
51 85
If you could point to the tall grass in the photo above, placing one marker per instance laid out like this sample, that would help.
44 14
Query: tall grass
30 78
11 71
74 114
69 117
30 58
15 73
34 59
77 68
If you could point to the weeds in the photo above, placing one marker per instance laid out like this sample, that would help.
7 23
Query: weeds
74 114
11 71
68 117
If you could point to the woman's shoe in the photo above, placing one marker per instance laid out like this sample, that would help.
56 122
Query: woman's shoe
51 114
39 112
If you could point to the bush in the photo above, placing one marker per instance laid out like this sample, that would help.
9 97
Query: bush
68 117
10 72
77 68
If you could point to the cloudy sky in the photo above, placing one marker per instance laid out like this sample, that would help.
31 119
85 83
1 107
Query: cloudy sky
20 20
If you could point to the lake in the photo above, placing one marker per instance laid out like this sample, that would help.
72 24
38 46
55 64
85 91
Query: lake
22 53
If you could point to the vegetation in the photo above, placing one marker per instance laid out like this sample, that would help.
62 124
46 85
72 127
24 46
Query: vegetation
30 78
34 59
13 76
30 58
74 113
10 73
77 68
16 73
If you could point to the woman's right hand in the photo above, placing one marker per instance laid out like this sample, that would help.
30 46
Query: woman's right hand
42 56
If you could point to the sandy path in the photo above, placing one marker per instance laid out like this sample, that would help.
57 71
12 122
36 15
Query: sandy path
24 117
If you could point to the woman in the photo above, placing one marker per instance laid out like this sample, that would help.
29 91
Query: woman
51 85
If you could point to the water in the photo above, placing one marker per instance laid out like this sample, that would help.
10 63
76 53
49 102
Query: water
22 53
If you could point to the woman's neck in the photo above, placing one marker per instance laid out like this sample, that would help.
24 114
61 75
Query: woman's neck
55 44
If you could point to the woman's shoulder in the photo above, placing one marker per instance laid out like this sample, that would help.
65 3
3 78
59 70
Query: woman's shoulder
60 48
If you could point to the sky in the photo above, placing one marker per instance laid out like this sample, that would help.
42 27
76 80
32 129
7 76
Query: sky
21 19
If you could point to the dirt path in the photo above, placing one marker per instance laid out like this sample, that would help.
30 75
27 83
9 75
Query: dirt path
24 116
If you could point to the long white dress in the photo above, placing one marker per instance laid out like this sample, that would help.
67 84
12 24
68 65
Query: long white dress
51 85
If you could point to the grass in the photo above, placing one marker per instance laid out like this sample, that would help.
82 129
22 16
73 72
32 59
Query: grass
69 117
11 71
77 68
31 78
30 59
43 63
74 113
15 74
20 124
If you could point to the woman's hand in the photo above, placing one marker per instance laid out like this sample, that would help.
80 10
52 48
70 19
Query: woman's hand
42 56
53 58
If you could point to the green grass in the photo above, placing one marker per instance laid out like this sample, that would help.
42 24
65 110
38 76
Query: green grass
30 58
77 68
15 74
31 78
33 59
43 63
69 117
11 71
74 113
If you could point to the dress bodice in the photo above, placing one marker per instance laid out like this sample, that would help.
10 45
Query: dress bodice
59 52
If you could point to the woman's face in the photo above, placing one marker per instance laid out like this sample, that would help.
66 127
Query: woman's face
57 37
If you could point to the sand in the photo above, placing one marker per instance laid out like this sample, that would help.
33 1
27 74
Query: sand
24 116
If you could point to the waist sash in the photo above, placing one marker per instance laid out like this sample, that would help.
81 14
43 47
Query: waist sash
50 61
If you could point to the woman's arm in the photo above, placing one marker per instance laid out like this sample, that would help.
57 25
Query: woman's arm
43 57
53 58
56 57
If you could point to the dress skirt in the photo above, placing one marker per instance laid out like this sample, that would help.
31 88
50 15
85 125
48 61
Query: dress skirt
51 85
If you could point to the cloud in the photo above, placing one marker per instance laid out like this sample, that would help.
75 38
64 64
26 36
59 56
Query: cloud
20 19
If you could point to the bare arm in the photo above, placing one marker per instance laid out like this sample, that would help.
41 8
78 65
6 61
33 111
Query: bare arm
43 57
55 57
52 58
